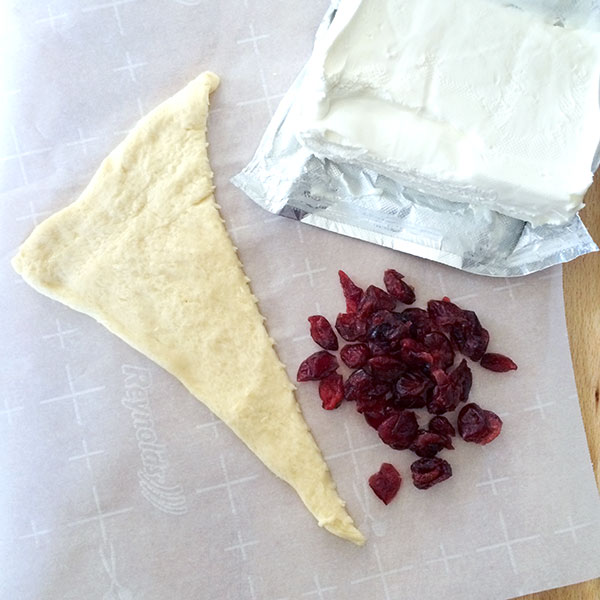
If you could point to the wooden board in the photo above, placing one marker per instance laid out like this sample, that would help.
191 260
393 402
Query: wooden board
581 281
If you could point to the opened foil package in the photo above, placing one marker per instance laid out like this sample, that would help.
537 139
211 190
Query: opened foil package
516 123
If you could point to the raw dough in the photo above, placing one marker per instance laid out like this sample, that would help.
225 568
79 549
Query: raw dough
145 252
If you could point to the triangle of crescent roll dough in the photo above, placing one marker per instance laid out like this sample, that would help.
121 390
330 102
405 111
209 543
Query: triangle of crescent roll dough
145 252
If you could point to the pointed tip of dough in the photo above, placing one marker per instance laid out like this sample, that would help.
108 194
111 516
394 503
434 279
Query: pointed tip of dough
340 523
212 78
346 531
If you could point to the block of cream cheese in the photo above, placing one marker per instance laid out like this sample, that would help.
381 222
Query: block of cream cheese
468 100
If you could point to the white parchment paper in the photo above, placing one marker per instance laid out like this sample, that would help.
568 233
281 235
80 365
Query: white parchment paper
116 484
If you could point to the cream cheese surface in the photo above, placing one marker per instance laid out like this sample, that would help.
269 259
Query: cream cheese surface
468 100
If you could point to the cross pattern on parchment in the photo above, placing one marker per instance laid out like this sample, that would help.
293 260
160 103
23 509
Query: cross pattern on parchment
35 533
83 141
109 562
61 334
52 19
459 299
213 424
227 484
115 5
86 455
510 286
233 227
382 574
278 218
241 546
130 67
352 452
299 338
73 395
251 588
508 543
9 410
19 154
257 100
233 230
441 282
445 558
319 590
492 481
33 214
299 227
272 219
310 272
572 529
100 515
539 405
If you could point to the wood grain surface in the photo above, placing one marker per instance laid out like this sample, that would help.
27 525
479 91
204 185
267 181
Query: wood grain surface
581 281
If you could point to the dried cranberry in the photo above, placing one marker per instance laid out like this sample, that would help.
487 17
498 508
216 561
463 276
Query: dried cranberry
389 317
375 299
352 293
440 348
363 388
378 349
376 412
462 377
403 361
356 384
355 355
322 332
464 327
405 402
439 424
370 397
386 328
429 471
399 430
379 335
398 288
428 444
445 395
451 389
470 337
414 353
317 366
478 425
444 313
419 321
385 367
412 383
351 326
331 391
386 482
497 362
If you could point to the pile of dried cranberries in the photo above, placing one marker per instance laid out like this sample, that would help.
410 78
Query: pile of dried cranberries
403 361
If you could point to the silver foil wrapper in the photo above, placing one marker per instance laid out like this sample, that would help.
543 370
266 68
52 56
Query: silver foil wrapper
287 179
